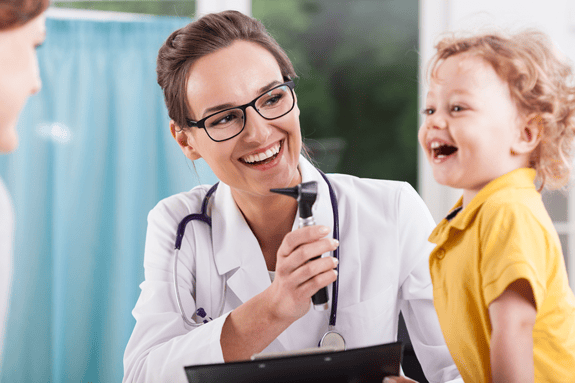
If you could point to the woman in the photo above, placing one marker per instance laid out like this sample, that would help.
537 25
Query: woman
228 89
22 30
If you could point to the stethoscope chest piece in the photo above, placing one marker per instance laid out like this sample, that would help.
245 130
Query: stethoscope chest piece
332 339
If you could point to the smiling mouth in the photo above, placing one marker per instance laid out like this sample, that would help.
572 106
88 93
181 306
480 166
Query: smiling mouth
263 157
440 151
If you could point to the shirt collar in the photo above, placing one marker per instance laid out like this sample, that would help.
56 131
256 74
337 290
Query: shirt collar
518 179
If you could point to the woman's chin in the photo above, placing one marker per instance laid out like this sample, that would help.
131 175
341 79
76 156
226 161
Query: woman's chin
8 139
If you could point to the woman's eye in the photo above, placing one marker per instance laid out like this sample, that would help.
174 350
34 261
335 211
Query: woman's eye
224 120
272 100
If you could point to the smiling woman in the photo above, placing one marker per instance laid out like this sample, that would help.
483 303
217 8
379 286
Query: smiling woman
21 31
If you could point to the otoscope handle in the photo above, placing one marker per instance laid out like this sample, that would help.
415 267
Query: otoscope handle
320 298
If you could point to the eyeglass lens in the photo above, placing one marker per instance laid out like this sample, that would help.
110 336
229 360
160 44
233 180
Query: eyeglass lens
270 105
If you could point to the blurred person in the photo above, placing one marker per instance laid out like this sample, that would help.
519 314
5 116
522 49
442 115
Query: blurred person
499 119
22 30
245 270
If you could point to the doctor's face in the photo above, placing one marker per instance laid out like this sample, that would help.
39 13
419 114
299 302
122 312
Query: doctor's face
19 75
266 153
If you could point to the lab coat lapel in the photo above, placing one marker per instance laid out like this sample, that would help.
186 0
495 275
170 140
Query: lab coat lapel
236 250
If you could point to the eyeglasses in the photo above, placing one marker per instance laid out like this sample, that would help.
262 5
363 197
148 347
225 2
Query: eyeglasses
226 124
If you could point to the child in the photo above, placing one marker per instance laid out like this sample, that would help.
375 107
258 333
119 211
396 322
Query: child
499 115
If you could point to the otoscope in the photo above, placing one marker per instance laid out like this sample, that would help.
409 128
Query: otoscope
306 194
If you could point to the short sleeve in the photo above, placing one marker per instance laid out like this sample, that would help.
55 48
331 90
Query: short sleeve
513 246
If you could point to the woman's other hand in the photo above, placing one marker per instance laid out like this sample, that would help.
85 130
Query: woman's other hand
298 275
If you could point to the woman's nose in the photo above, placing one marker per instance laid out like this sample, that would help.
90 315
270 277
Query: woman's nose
257 128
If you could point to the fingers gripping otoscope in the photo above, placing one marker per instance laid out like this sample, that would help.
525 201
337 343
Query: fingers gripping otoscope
306 194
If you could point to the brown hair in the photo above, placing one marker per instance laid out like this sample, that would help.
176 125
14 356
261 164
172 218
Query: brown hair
200 38
540 82
14 13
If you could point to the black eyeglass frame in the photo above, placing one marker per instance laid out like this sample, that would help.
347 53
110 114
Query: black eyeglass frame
201 123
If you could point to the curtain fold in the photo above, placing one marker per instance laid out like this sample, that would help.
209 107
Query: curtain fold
95 156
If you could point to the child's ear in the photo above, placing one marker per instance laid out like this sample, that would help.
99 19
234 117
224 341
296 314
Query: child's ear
529 135
183 139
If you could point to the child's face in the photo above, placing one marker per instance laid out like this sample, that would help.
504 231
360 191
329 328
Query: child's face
470 126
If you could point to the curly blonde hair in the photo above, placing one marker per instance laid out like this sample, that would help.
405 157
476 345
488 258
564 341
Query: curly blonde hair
540 82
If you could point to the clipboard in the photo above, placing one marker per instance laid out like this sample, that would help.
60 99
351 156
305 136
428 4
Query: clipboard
367 364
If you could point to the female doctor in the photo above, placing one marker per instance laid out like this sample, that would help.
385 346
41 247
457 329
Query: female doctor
227 87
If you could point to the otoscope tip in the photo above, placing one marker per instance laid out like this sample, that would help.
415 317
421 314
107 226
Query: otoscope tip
292 192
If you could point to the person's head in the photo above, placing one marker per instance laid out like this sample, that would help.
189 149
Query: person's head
22 29
497 103
223 61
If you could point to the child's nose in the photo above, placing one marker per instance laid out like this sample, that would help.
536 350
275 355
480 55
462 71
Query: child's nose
436 121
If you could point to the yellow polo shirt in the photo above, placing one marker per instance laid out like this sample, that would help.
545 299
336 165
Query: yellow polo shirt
504 234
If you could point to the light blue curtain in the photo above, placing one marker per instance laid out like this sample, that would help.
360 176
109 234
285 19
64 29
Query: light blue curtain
95 156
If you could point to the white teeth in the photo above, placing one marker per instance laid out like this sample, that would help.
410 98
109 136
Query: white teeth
435 145
251 158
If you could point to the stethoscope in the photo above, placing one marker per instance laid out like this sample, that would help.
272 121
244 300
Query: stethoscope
331 339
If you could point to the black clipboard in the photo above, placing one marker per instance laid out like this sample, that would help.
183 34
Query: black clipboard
367 364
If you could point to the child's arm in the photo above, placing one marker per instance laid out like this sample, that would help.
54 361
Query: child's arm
512 317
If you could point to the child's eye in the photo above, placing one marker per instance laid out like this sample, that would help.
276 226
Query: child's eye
428 111
456 108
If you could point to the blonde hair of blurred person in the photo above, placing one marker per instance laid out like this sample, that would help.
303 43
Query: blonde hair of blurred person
22 30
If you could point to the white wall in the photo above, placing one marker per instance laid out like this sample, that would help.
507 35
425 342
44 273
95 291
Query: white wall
554 17
211 6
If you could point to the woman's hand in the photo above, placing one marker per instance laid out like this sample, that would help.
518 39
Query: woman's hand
252 326
298 275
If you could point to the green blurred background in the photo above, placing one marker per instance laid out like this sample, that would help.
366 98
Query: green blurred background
357 65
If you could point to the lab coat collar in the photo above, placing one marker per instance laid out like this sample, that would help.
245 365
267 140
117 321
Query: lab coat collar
235 246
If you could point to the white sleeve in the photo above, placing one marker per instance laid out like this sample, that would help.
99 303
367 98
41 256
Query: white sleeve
416 293
161 343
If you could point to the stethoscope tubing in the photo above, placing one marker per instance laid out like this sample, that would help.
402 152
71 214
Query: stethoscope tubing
335 287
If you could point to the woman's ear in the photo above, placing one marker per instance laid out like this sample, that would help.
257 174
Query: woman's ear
529 135
184 141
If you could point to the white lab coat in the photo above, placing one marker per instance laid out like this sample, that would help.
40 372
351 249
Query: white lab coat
6 260
384 226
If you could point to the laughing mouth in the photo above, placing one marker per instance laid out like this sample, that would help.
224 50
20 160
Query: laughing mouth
440 150
263 157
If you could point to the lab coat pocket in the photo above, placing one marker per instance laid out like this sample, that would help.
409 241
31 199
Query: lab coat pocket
369 322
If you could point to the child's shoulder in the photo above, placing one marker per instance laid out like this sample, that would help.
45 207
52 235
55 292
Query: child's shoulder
519 206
